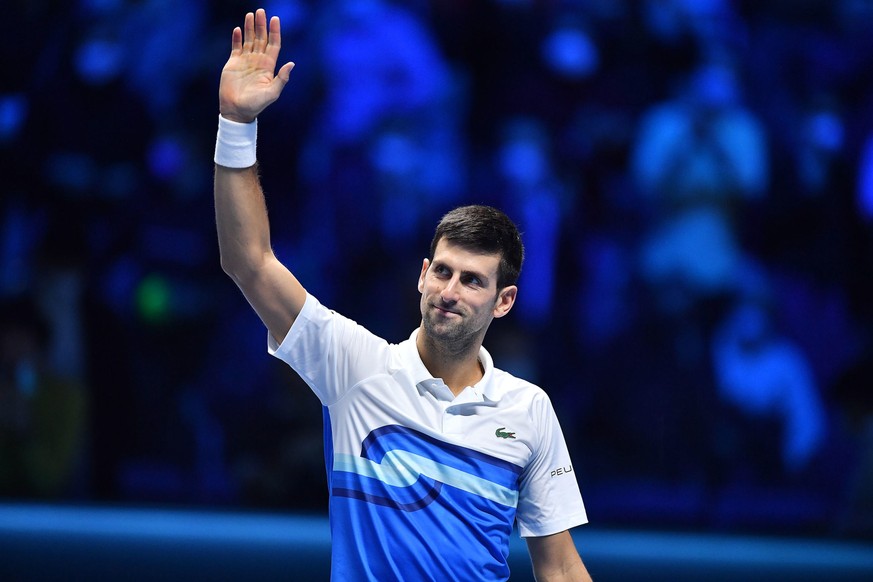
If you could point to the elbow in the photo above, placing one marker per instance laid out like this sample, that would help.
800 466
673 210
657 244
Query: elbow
242 270
229 266
232 268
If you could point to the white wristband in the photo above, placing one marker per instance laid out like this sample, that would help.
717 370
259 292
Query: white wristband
236 143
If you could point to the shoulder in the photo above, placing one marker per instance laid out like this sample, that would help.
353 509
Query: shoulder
321 330
518 391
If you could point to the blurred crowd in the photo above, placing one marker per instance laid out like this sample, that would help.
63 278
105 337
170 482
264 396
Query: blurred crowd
694 180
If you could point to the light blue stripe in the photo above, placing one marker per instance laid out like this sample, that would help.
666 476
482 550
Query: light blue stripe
402 468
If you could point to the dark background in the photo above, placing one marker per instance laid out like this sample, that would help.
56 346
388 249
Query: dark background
694 181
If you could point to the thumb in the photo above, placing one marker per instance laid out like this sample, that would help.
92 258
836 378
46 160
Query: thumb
284 73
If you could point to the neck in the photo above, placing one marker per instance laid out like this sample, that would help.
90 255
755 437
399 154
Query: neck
457 366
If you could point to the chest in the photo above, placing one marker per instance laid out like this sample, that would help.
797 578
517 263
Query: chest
501 430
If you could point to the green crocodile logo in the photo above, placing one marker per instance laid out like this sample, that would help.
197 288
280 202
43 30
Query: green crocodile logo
504 435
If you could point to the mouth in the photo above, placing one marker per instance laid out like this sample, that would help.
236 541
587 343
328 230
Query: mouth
446 312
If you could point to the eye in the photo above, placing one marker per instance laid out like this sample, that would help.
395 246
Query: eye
441 270
473 280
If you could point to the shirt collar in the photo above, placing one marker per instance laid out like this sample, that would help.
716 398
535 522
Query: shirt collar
486 391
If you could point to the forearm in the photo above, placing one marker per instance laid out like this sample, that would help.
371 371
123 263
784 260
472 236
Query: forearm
241 221
570 570
574 571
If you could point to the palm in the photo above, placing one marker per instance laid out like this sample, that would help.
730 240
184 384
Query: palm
248 83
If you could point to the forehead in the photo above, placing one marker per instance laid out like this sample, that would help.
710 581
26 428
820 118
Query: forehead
463 259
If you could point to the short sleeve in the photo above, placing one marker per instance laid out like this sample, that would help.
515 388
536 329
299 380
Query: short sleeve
330 352
549 496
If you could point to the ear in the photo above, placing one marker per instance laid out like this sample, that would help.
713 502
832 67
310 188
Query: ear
505 300
424 265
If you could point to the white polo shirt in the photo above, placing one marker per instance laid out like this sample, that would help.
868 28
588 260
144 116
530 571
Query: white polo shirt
425 485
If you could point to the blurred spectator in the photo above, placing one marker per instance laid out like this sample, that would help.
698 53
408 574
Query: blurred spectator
149 35
691 256
380 62
43 414
703 145
764 377
531 190
419 170
696 158
386 117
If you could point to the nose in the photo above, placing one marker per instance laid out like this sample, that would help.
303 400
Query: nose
449 293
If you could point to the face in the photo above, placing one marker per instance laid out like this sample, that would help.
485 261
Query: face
459 295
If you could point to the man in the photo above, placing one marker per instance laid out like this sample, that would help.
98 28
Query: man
432 453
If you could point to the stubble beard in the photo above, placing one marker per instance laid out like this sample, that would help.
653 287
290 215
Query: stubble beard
451 337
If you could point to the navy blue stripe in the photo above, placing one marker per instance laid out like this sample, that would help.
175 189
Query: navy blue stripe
395 437
431 493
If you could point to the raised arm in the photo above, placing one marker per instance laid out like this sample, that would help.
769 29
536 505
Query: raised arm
248 85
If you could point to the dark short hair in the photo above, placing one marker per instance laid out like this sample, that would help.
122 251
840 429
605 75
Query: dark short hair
484 229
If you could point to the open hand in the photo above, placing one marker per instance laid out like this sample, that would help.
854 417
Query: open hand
248 83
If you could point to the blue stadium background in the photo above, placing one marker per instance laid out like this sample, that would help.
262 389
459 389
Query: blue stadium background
694 179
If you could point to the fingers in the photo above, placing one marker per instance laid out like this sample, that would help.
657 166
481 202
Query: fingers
236 41
248 33
275 33
260 30
274 42
256 38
